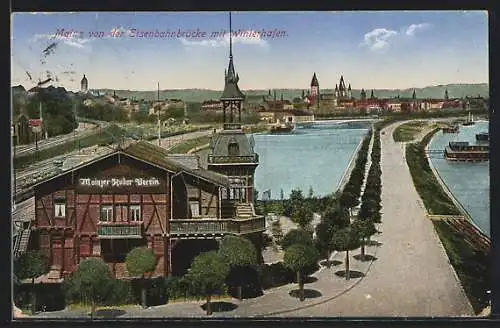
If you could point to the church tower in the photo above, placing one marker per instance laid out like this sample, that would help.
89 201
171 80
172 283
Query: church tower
349 91
231 152
363 94
342 88
446 96
315 89
84 84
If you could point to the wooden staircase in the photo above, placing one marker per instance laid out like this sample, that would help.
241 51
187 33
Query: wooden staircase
244 211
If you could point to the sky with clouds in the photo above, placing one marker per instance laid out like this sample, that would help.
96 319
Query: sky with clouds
272 50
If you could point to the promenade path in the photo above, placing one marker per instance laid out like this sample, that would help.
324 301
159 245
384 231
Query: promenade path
410 275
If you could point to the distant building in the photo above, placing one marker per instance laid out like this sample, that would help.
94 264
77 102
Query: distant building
84 84
328 102
211 105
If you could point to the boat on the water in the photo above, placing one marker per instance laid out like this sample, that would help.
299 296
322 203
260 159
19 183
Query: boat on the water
451 129
462 151
483 136
282 128
470 120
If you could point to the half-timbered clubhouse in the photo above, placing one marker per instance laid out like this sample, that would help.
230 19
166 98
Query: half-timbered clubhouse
138 196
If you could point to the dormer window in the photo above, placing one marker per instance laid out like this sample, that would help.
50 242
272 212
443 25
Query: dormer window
233 149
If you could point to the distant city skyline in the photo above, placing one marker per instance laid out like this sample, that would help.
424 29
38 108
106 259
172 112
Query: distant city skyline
372 50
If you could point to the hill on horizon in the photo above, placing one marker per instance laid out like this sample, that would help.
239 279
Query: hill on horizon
199 95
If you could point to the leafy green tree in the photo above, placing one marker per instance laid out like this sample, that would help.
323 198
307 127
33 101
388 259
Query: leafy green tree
294 203
31 265
365 229
277 231
208 274
140 117
94 282
298 258
240 254
346 240
348 199
141 261
302 215
324 234
310 193
337 217
296 236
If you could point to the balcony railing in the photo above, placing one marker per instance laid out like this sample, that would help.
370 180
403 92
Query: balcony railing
120 231
217 227
233 159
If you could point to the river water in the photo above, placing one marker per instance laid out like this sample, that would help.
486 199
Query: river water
468 182
314 157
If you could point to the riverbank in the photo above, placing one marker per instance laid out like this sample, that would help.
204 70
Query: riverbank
470 264
350 167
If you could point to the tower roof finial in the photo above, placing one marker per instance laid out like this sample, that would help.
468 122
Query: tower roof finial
230 37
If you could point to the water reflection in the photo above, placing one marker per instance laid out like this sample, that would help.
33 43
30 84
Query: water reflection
314 157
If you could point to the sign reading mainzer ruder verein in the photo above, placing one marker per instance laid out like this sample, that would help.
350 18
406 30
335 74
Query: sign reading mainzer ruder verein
119 182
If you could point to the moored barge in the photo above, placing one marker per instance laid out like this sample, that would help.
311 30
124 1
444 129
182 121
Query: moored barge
464 152
483 136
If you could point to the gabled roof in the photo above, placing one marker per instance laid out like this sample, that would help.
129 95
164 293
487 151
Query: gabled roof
155 156
159 156
221 142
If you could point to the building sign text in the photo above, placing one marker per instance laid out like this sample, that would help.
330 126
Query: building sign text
119 182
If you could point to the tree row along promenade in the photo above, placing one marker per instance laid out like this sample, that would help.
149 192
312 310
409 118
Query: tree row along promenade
411 275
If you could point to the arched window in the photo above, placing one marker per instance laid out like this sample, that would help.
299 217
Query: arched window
233 149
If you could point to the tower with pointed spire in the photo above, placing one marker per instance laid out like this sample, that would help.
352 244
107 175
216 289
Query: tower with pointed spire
84 84
349 91
342 88
372 95
446 96
363 94
414 95
314 85
231 151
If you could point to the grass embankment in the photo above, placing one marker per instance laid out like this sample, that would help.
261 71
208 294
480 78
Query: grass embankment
435 199
187 145
408 131
470 264
149 132
103 137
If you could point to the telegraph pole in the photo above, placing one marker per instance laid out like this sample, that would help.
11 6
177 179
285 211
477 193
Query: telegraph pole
158 110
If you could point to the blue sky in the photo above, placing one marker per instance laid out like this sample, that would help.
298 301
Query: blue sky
371 49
